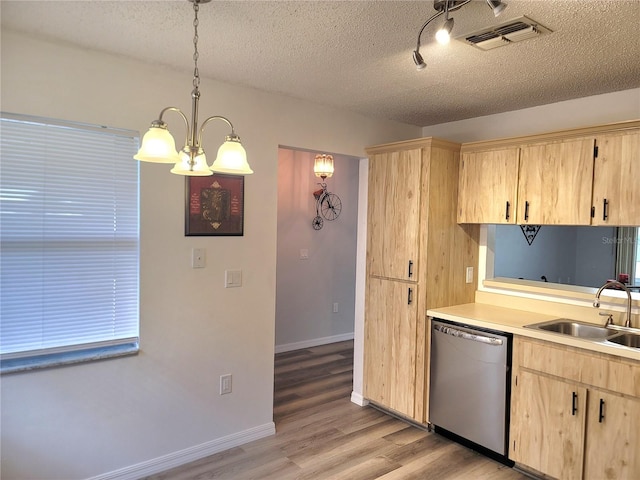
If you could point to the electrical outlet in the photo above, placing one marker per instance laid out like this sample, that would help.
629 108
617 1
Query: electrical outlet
225 384
335 307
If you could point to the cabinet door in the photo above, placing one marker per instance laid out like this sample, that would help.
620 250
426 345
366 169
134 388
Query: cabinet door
613 437
393 216
547 425
554 187
390 344
488 186
616 180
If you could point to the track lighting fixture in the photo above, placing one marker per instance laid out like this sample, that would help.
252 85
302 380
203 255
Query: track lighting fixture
443 7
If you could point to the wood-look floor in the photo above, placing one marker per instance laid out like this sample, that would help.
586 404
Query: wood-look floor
320 434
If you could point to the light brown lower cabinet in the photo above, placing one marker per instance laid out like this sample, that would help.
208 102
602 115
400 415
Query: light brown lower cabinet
574 414
613 437
548 425
390 344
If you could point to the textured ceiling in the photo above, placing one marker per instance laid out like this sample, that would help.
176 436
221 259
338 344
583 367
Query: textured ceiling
356 55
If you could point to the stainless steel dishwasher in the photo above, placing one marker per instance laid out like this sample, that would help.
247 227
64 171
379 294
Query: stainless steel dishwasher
470 385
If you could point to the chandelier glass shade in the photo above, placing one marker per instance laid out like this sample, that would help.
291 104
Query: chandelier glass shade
159 146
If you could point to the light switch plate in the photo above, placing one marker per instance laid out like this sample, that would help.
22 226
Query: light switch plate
469 275
225 384
232 278
304 254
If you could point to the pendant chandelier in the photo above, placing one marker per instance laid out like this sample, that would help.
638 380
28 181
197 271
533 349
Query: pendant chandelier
159 146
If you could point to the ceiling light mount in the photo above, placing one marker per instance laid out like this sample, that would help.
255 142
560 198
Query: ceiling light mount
158 145
444 7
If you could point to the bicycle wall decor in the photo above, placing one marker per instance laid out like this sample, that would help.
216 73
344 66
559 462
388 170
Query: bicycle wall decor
328 205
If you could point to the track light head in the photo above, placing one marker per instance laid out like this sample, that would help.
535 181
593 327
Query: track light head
497 6
418 60
444 34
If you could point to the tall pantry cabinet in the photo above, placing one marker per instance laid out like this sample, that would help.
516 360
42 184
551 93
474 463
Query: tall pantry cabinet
417 258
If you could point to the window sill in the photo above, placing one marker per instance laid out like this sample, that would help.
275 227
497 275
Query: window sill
37 362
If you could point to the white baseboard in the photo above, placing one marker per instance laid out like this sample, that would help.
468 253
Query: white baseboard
288 347
181 457
359 399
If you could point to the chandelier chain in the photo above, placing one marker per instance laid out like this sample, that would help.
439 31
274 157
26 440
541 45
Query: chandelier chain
196 72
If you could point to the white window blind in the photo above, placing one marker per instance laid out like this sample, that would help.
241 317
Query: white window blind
69 216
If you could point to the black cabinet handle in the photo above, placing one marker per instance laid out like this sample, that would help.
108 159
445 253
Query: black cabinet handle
601 412
410 269
410 296
506 217
574 403
605 209
526 211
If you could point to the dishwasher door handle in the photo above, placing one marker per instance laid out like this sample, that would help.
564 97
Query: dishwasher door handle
474 337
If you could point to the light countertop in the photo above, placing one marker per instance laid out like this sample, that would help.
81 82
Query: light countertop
513 321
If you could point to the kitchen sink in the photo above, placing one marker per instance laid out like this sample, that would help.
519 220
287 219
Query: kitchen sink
574 328
626 340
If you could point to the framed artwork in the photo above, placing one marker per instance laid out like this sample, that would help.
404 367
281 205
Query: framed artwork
214 205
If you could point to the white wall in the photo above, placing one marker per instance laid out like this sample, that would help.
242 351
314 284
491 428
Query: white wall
581 112
306 289
134 415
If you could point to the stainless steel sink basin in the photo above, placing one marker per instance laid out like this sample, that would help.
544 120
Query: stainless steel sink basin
627 340
574 328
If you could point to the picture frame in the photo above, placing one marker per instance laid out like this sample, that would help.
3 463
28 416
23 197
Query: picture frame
214 205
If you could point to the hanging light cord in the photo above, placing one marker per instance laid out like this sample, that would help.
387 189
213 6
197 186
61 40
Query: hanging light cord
196 55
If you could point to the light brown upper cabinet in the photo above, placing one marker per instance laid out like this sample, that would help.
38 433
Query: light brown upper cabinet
488 186
393 215
583 176
616 180
554 186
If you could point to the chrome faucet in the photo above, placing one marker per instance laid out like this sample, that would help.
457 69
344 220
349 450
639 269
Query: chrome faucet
614 283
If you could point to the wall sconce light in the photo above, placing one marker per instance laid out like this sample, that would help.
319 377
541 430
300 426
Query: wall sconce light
443 35
323 166
159 146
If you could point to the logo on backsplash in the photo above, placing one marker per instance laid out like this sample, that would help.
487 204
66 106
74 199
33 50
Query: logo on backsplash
530 232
